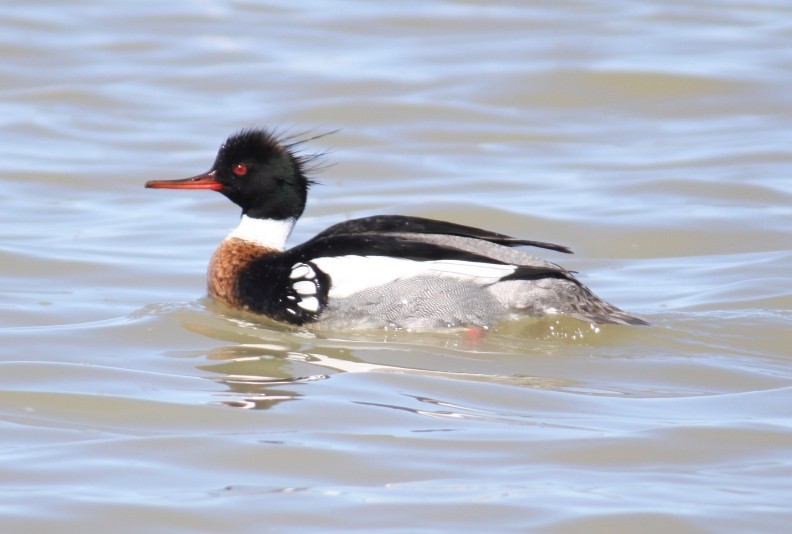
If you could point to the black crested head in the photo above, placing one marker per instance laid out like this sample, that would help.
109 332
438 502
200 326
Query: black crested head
261 173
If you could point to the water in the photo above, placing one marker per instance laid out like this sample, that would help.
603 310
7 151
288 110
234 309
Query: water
652 138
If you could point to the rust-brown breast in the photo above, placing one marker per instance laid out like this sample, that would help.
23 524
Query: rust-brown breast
232 256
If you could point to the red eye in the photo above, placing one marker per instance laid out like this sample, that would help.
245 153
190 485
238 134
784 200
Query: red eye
240 169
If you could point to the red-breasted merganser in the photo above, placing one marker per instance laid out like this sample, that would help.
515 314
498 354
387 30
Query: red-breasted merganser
383 271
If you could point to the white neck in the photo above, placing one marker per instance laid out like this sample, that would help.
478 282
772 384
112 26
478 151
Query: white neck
270 233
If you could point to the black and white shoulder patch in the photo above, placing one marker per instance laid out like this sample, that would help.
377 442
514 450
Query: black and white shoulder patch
306 295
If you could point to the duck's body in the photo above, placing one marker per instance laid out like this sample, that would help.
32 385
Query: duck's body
383 271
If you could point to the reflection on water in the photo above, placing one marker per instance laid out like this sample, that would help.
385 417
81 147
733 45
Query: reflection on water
257 371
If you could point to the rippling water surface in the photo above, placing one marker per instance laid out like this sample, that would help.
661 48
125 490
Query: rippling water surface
651 137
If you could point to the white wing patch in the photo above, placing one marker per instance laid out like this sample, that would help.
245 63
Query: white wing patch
350 274
302 270
304 287
310 304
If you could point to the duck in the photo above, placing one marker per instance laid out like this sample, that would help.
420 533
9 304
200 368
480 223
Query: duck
381 271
